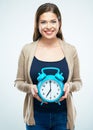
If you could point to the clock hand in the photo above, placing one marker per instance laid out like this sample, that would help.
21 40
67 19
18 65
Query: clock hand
50 84
50 89
48 93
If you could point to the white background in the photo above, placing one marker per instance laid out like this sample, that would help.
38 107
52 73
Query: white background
16 29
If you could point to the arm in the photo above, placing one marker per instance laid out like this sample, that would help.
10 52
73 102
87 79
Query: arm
75 83
21 81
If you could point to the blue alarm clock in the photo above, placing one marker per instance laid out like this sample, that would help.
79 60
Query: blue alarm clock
50 87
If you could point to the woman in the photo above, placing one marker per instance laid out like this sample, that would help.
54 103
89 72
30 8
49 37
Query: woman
48 50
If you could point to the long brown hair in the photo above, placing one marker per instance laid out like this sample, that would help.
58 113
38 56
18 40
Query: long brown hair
42 9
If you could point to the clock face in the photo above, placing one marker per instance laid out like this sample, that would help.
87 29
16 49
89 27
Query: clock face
50 90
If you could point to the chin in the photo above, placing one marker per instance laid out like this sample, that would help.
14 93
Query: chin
49 37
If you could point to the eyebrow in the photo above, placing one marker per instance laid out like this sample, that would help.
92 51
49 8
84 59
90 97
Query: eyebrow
46 20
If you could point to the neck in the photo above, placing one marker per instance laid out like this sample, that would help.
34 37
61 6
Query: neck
49 42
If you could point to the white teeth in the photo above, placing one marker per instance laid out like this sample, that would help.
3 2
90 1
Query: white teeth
49 32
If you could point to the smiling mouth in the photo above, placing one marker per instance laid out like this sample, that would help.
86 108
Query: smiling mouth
49 32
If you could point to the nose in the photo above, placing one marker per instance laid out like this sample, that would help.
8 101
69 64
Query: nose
48 25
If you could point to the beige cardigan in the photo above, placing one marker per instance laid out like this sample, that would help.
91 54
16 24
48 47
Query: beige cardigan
23 80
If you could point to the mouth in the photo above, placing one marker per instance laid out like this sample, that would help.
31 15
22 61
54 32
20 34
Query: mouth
49 32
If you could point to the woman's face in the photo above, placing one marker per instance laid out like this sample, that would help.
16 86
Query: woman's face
48 25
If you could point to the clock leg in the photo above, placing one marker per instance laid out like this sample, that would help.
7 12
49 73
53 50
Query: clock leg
58 102
42 103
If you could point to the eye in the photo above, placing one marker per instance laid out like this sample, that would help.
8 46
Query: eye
43 22
53 21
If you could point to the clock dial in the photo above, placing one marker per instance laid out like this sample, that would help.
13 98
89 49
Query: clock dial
50 90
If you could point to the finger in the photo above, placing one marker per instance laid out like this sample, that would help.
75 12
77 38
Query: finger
63 97
38 98
65 88
66 93
46 102
35 89
32 91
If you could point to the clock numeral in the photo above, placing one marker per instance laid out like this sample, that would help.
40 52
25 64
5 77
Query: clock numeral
46 82
43 93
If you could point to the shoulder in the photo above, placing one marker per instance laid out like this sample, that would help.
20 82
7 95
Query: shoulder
69 48
29 47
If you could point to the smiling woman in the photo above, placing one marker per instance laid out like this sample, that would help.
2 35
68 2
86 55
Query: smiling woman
48 50
47 15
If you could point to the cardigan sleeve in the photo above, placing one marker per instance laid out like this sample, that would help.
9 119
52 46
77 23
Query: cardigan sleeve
75 83
20 81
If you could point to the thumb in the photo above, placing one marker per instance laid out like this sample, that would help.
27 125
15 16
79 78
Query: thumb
35 89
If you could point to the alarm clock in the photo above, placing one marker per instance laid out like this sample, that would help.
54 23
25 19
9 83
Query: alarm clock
50 87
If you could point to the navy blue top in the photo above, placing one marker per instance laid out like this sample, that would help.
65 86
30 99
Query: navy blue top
36 67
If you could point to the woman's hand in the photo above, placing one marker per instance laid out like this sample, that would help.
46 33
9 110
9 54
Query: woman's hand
66 91
34 92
